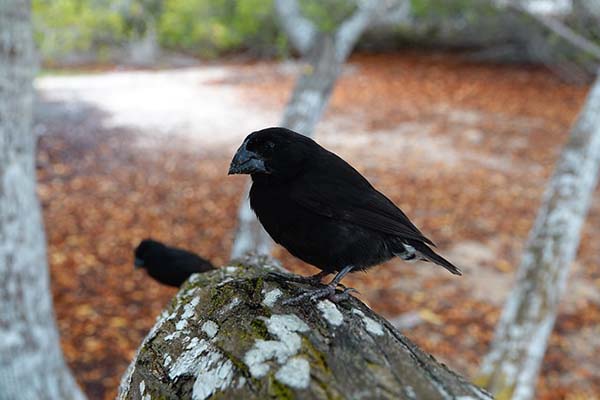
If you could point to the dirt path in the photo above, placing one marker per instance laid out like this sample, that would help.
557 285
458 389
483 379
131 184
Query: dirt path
463 148
181 103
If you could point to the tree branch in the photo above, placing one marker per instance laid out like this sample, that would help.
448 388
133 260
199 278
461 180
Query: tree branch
300 30
228 335
396 13
352 28
325 56
250 235
561 30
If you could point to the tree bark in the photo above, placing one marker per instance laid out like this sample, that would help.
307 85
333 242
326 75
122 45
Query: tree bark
511 367
227 335
31 362
325 54
145 50
561 30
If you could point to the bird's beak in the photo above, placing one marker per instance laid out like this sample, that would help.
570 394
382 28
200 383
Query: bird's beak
138 263
247 162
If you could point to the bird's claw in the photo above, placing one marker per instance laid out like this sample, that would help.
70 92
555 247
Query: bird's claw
345 295
311 280
283 275
327 292
311 295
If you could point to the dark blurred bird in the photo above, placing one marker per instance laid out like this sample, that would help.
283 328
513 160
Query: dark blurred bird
168 265
323 211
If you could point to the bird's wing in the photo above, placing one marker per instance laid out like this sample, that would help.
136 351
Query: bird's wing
189 262
347 196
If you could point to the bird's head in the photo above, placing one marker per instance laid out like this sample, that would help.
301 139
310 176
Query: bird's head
144 250
275 152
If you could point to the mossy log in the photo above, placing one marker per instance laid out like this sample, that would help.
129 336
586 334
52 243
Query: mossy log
227 335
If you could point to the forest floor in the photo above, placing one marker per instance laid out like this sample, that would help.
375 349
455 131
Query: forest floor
463 148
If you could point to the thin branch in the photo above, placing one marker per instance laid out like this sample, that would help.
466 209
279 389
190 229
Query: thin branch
325 55
300 30
369 14
561 30
397 13
352 28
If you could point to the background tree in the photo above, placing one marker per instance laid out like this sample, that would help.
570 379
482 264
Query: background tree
325 54
511 367
141 19
31 362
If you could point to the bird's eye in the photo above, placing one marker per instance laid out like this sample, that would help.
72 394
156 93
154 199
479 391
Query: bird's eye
270 145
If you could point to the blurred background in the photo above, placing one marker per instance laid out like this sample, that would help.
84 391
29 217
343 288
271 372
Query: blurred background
456 109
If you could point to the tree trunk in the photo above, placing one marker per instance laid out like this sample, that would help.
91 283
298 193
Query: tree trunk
226 335
308 100
326 54
145 50
31 362
511 367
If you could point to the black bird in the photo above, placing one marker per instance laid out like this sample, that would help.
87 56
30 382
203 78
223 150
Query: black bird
168 265
323 211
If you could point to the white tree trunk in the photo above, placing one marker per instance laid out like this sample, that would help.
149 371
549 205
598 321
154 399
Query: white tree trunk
512 365
145 51
31 362
325 55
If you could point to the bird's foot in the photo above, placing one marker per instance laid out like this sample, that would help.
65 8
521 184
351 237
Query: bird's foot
284 275
312 295
326 292
311 280
344 295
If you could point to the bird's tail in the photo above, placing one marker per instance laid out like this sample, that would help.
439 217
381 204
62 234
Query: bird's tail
426 253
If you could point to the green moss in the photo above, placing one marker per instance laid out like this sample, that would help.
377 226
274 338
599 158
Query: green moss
239 364
259 329
221 296
481 380
278 390
318 359
155 396
505 394
256 295
321 372
220 395
498 386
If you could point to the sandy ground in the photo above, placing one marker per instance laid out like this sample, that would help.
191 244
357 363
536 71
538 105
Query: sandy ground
448 162
181 103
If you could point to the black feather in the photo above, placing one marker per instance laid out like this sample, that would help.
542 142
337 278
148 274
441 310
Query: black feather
320 208
429 255
169 265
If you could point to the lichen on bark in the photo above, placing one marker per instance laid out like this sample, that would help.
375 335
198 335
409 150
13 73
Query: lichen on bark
227 335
